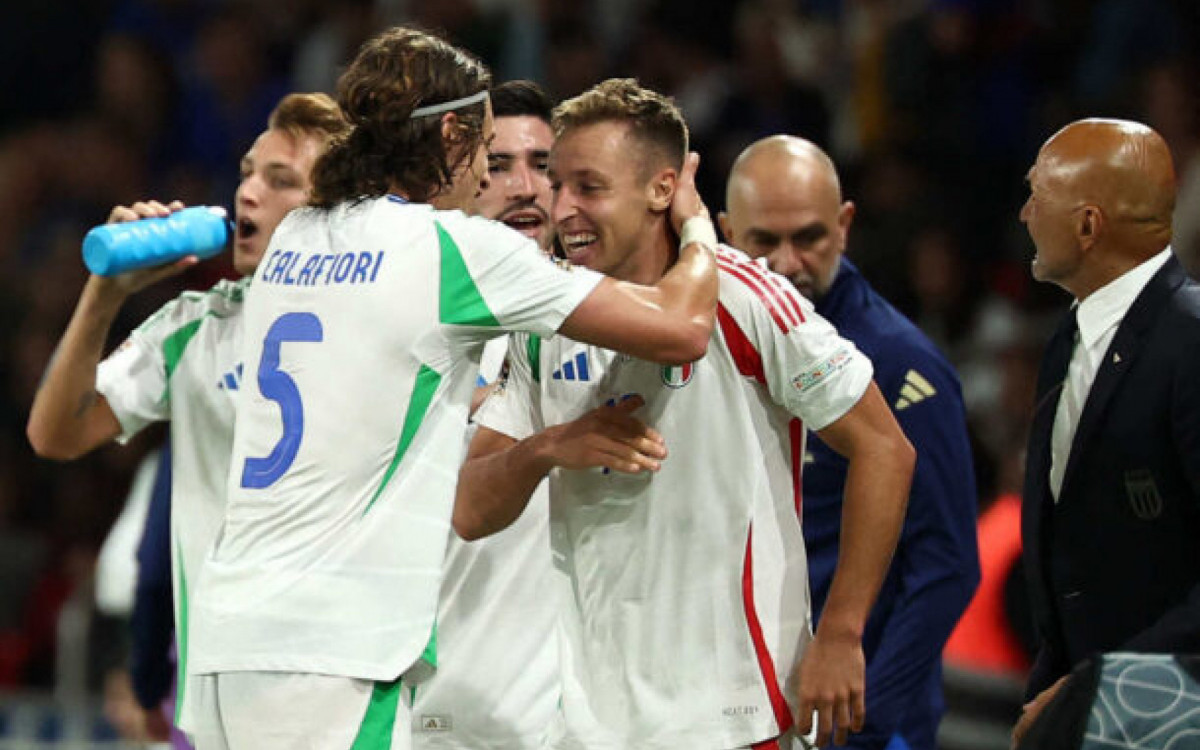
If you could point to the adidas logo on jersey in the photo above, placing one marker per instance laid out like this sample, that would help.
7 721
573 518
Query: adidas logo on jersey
231 380
435 723
575 368
915 390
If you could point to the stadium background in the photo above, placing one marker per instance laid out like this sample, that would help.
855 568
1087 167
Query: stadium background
933 110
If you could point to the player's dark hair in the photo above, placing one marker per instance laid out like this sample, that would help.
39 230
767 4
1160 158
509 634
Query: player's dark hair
387 148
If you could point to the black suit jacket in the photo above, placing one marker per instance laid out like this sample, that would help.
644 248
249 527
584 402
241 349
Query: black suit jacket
1115 564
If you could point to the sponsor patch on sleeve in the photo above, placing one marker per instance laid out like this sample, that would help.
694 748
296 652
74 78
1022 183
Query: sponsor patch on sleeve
822 371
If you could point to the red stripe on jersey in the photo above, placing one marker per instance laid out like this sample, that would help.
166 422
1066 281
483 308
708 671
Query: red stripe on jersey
789 294
779 706
745 356
796 433
782 290
771 744
763 293
778 291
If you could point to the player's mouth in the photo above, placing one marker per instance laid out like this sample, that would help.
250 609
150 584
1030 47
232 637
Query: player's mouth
245 229
528 221
578 246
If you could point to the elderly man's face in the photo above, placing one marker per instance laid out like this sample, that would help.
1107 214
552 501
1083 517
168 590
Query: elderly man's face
1048 214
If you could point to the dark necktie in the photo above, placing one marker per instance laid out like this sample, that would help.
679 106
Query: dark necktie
1060 349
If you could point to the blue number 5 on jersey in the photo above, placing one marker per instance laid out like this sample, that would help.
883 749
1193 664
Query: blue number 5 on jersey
279 387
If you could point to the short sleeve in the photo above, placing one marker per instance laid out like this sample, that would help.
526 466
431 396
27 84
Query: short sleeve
133 379
495 278
511 408
774 333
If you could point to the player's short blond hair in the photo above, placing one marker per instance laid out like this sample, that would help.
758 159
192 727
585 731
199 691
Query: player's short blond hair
653 119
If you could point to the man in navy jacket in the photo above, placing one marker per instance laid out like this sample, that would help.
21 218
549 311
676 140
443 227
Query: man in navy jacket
784 203
1112 480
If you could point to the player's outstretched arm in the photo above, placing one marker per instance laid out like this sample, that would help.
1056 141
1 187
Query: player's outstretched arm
501 473
881 461
68 417
672 321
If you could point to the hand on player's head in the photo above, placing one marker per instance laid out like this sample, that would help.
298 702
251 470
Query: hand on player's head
686 202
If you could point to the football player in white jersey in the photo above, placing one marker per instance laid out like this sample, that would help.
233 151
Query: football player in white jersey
688 612
361 345
496 686
182 364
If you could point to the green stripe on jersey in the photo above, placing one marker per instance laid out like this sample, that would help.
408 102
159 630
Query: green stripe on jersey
429 655
459 300
533 346
175 344
426 385
375 732
181 634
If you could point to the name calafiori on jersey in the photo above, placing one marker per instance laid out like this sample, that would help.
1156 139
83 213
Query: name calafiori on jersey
321 268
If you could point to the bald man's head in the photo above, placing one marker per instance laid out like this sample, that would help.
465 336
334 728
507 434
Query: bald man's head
784 202
1101 197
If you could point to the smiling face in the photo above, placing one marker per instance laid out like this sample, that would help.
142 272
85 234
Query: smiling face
604 207
275 179
517 188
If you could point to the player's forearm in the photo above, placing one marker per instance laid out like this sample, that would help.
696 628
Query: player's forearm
876 494
689 290
494 489
672 320
62 418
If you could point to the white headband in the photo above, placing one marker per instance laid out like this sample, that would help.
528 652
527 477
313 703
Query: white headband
437 109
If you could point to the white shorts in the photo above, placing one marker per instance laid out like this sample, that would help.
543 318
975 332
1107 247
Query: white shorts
286 711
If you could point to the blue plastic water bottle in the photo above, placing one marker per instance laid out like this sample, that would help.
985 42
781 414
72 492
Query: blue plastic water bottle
111 249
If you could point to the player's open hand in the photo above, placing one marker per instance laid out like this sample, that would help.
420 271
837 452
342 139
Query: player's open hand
608 437
686 202
131 282
832 683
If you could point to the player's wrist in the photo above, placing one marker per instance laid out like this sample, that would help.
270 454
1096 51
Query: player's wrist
540 450
698 229
840 630
103 296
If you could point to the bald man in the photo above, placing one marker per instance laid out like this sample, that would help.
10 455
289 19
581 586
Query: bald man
784 203
1112 486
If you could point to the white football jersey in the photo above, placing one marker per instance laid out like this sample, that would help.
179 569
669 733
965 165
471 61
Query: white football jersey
361 344
183 364
496 686
688 604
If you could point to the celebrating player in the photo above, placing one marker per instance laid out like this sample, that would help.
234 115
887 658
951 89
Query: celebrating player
689 608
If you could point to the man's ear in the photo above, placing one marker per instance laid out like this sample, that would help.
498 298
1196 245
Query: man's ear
726 230
661 189
451 132
1089 226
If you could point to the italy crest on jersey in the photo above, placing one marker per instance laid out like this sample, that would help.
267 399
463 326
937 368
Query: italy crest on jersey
678 377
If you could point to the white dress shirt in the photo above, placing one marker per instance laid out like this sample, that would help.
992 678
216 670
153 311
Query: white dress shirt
1098 317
